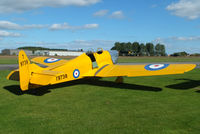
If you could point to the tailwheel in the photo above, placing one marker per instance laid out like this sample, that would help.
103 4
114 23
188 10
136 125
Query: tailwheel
119 79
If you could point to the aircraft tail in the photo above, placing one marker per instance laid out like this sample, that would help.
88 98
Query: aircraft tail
24 73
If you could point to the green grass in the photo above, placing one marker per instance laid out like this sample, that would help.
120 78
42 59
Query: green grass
8 60
144 105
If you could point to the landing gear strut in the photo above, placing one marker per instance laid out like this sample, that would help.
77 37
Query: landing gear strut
119 79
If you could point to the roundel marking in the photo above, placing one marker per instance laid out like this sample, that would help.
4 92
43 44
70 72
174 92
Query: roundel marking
76 73
51 60
155 67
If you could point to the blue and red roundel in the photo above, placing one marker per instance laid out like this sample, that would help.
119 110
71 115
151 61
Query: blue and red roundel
155 67
76 73
51 60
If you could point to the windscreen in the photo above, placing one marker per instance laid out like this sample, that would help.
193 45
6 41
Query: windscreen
114 55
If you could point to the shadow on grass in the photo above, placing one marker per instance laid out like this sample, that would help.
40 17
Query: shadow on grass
188 84
198 91
15 89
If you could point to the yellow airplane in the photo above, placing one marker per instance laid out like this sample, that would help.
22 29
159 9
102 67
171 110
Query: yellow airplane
94 64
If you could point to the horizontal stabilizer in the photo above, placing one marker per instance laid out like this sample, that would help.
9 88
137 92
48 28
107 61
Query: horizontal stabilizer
14 75
49 61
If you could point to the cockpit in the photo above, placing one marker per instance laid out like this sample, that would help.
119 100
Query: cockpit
100 53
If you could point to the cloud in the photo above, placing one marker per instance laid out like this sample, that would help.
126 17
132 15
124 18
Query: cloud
73 45
176 44
117 15
8 6
66 26
8 34
101 13
7 25
191 38
13 26
177 39
91 44
185 8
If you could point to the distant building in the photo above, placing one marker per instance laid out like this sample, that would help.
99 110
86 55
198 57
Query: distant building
65 53
15 52
41 52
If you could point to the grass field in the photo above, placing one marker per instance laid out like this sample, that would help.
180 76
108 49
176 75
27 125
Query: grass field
142 105
13 59
8 60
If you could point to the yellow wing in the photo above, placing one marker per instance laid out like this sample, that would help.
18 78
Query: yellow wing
143 70
49 61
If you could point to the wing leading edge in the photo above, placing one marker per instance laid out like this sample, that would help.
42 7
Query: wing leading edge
143 70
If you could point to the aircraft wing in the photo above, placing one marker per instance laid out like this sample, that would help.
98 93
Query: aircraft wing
49 61
143 70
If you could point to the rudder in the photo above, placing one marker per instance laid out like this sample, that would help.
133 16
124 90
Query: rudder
24 73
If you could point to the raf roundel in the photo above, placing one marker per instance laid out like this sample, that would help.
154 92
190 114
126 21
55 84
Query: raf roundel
155 67
51 60
76 73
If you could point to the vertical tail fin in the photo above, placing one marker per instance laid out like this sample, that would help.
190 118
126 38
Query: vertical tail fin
24 73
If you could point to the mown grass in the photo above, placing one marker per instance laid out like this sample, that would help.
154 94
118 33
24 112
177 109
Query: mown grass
13 59
8 60
144 105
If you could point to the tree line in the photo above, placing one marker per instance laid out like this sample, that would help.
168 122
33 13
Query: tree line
139 49
39 48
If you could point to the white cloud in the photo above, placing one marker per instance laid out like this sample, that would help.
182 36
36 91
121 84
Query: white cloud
9 25
177 44
117 15
91 44
175 38
185 8
13 26
25 5
8 34
191 38
73 45
66 26
101 13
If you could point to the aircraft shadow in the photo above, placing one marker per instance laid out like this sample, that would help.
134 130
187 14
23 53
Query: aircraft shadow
188 84
15 89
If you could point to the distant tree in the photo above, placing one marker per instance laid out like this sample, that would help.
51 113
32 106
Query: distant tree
163 50
150 49
180 54
195 54
121 48
143 51
117 46
128 46
135 48
39 48
158 50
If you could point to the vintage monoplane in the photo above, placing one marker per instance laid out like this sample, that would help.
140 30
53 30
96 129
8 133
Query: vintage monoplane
93 64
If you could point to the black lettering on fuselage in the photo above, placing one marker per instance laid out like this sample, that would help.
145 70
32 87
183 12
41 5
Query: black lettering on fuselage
24 63
61 77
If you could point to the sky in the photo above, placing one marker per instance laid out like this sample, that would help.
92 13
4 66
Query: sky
92 24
